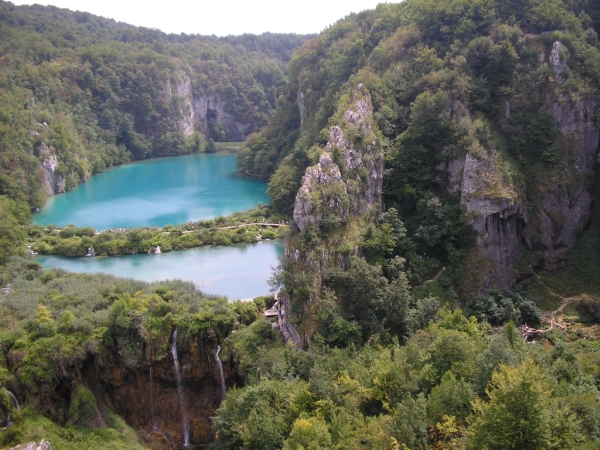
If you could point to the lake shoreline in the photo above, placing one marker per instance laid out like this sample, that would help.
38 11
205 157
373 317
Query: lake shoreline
156 192
254 225
237 271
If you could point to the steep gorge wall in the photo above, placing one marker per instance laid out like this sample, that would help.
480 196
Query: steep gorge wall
564 204
144 393
542 215
193 113
201 111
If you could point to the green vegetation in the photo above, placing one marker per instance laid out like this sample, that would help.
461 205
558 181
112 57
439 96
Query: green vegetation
455 384
245 227
31 426
406 350
448 80
393 362
95 93
53 323
230 147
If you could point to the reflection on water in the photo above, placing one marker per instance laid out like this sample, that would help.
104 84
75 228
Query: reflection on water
238 271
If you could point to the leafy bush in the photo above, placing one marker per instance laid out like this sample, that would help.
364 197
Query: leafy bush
590 307
500 307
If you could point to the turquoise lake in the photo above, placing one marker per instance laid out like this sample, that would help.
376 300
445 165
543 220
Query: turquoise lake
237 271
170 191
157 192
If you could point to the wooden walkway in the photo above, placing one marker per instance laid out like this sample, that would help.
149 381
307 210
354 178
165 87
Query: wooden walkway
260 224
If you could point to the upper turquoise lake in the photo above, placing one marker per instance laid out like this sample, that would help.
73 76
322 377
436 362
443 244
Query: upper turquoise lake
156 192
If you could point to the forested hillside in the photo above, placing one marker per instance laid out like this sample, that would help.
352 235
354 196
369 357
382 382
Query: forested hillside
81 93
439 160
488 114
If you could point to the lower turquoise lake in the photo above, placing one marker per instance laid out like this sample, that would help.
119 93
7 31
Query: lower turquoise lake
238 271
156 192
169 191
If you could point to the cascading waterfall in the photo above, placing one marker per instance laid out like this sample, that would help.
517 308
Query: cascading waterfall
15 402
220 366
14 399
184 418
157 250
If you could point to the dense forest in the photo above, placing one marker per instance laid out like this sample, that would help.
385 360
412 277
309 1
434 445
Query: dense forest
438 165
433 155
81 93
488 116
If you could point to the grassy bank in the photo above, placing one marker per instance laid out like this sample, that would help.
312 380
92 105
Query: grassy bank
247 227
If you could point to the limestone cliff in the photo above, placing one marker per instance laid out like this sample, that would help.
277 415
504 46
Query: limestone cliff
200 111
338 197
544 214
53 182
347 180
142 390
564 200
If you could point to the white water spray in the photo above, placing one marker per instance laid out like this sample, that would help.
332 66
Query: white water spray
220 366
182 406
14 399
16 404
153 408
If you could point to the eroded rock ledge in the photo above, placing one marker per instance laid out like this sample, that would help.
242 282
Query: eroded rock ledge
347 181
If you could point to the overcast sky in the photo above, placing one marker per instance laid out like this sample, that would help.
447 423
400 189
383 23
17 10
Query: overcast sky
221 17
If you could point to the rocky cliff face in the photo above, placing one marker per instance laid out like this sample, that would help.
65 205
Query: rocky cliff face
337 198
144 394
545 214
495 208
347 181
53 182
200 111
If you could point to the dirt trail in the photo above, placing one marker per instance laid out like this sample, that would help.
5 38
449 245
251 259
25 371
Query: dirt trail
564 300
555 319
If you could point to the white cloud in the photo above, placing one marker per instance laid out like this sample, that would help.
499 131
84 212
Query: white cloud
220 17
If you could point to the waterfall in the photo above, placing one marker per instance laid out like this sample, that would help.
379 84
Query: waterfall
15 402
14 399
91 251
184 419
157 251
220 366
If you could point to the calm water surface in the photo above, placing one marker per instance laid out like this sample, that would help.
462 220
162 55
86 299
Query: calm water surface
156 193
237 271
169 191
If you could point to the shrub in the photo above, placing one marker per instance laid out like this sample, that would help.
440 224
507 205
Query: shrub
590 307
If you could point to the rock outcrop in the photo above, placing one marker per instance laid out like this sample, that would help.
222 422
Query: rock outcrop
53 182
42 445
545 214
338 196
347 181
495 208
201 111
